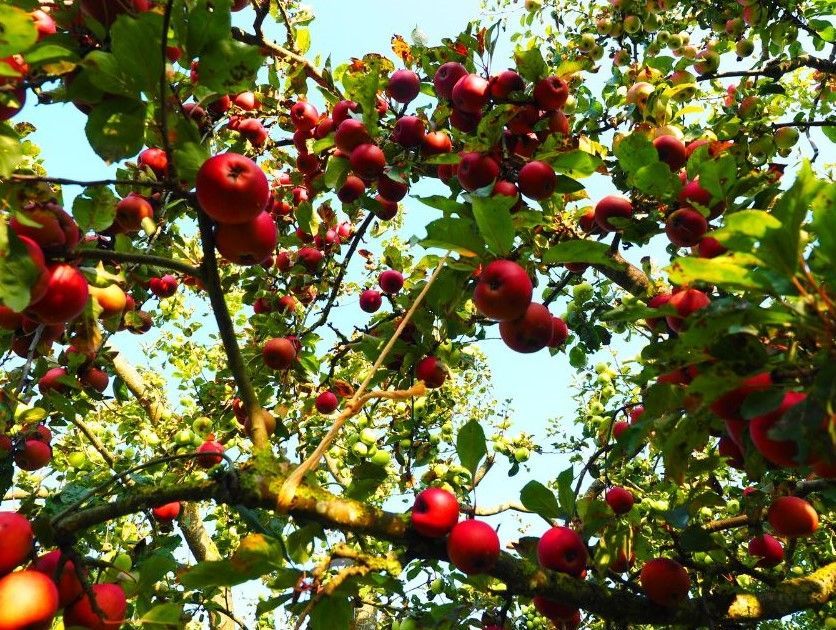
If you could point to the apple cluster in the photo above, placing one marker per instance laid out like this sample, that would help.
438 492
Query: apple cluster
31 597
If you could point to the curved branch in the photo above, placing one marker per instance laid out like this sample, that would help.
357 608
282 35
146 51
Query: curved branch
141 259
212 281
249 488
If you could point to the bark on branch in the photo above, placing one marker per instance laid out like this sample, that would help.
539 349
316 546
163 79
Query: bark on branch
252 489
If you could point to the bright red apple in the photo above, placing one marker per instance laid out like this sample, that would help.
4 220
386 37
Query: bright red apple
473 546
562 549
529 333
391 281
431 371
792 517
537 180
370 300
504 291
470 94
404 85
279 353
665 581
768 549
685 227
28 599
166 513
612 206
110 600
247 243
619 499
435 512
65 298
232 188
327 402
446 77
18 539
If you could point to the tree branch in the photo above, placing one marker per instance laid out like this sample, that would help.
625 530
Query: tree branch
63 181
522 577
141 259
775 69
627 276
211 279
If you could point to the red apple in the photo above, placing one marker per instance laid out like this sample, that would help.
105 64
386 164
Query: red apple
351 190
470 94
792 517
44 24
537 180
435 143
446 77
303 115
768 549
18 539
42 275
658 300
431 371
686 303
710 247
465 121
34 455
391 281
728 449
166 513
106 11
388 209
620 500
529 333
779 452
685 227
254 131
671 151
210 453
561 549
232 188
9 320
609 207
403 86
390 189
279 353
560 333
435 512
94 378
619 428
57 233
551 93
342 110
28 600
69 586
367 161
154 159
370 300
130 212
553 610
247 243
409 131
473 546
504 291
310 258
110 600
350 134
327 402
728 405
504 84
665 581
65 298
477 171
163 287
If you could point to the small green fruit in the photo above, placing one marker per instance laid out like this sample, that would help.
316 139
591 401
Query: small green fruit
360 449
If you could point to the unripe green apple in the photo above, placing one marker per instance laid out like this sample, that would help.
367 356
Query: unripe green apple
202 425
583 292
381 458
786 137
521 454
360 449
367 436
587 42
632 24
674 41
184 437
76 459
437 586
663 37
744 47
405 443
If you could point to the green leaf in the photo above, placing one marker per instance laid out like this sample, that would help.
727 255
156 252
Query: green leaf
17 271
209 21
443 203
163 615
332 613
694 538
530 64
95 208
567 185
188 158
575 163
458 235
256 555
228 66
18 31
130 36
656 180
366 478
540 500
304 216
823 225
726 271
635 151
47 52
443 158
489 131
580 251
565 493
104 72
471 445
11 151
116 128
493 218
336 172
824 29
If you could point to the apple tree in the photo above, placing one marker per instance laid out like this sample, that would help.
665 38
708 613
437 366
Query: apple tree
634 174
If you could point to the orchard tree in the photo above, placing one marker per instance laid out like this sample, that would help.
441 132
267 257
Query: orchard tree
654 168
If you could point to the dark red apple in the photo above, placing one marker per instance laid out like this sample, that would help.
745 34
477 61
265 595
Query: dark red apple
446 78
351 190
57 232
470 94
279 353
476 171
728 405
473 546
560 333
404 85
553 610
768 549
164 286
130 213
671 151
504 291
612 206
94 378
685 227
34 455
792 517
506 83
619 499
409 131
66 296
69 586
537 180
154 159
551 93
232 188
350 134
431 371
247 243
779 452
529 333
391 281
327 402
367 161
210 453
727 448
665 581
710 247
390 189
370 300
342 110
303 115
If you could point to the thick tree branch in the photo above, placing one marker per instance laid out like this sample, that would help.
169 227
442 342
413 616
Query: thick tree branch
212 281
522 577
775 69
141 259
627 276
